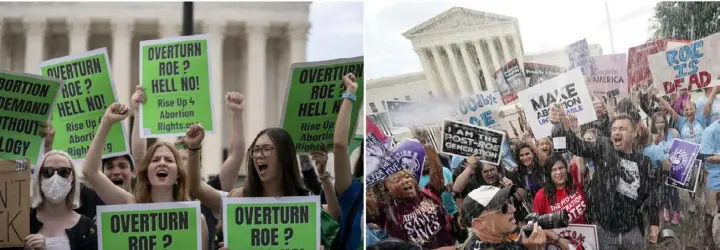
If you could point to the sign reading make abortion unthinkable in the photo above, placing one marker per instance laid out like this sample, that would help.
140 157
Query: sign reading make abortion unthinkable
175 73
88 91
314 96
688 67
477 109
568 89
25 104
464 140
169 225
272 223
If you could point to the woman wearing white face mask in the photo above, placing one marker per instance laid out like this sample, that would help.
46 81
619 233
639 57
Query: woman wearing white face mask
53 223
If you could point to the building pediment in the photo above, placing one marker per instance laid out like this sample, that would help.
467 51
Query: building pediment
456 18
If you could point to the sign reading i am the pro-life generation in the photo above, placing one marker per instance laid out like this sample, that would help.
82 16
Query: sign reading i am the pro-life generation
272 223
313 100
175 73
88 91
465 140
26 102
168 225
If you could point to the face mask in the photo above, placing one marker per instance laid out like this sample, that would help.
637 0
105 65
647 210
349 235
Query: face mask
55 188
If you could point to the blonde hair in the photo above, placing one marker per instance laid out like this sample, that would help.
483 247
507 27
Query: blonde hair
181 192
72 200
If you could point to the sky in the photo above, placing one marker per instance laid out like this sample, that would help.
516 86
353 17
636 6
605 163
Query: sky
336 30
546 25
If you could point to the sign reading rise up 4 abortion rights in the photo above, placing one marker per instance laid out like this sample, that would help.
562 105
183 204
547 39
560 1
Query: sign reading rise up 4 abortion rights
25 104
272 223
314 97
568 89
170 225
688 67
88 91
175 73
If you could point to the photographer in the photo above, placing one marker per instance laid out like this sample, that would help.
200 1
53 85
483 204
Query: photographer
621 186
489 213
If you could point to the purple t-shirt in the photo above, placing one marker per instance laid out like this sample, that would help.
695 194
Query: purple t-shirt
421 221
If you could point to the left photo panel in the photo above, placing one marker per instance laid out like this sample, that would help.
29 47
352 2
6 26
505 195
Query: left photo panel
182 125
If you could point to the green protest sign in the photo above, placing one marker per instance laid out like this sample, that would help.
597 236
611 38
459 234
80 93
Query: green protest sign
88 91
169 225
25 104
313 100
175 73
272 223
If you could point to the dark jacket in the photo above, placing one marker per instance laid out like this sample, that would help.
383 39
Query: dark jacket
621 187
82 236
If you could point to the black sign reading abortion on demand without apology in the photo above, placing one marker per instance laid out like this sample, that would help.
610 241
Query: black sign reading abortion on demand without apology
464 140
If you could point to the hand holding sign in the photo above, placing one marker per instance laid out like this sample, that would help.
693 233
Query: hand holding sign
115 113
557 112
320 158
349 81
137 98
194 136
235 102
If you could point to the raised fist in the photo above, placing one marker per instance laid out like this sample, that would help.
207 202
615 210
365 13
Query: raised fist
557 112
48 131
194 136
350 83
116 112
137 97
320 158
235 101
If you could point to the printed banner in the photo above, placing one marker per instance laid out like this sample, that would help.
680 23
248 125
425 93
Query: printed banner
314 96
175 73
464 140
610 79
691 183
88 91
688 67
15 205
638 66
568 89
286 223
477 109
682 157
411 155
536 73
167 225
579 54
379 163
25 104
509 80
580 235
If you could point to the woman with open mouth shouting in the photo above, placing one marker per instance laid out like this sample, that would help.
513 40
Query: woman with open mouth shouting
161 176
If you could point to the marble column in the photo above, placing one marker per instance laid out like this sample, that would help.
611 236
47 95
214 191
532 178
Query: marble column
459 79
493 54
34 44
487 71
213 144
256 35
470 68
122 31
440 66
505 48
432 78
518 50
170 29
78 35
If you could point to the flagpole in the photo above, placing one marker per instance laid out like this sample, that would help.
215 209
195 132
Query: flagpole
607 13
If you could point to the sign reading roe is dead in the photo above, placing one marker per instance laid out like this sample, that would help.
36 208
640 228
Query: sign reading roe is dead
464 139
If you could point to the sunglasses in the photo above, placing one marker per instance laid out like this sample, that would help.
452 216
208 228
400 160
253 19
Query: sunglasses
503 210
49 172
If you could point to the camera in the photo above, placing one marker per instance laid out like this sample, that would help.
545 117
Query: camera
554 220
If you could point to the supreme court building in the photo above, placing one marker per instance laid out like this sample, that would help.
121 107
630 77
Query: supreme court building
252 45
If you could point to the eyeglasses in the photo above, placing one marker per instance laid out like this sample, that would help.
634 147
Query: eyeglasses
263 151
49 172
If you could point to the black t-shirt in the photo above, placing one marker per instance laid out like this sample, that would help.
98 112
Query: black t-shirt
89 201
473 243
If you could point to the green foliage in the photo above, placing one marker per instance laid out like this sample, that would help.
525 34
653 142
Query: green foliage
685 20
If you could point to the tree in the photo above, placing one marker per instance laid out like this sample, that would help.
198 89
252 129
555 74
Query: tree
685 20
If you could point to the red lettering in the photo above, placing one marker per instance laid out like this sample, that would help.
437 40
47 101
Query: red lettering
701 80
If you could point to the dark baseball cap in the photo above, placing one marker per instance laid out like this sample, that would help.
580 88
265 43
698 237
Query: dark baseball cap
126 156
482 199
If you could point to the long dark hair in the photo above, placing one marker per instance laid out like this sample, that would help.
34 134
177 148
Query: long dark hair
653 119
537 173
549 186
358 169
291 182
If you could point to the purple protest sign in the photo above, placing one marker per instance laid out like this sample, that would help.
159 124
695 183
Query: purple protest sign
682 157
411 154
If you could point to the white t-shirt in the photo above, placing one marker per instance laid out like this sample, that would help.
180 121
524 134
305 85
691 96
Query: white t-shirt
57 243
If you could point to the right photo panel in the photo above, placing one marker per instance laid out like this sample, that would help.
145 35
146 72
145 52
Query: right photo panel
542 125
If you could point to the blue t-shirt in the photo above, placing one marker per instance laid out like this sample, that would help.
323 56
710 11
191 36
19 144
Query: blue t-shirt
714 112
686 133
711 145
656 154
346 202
447 198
